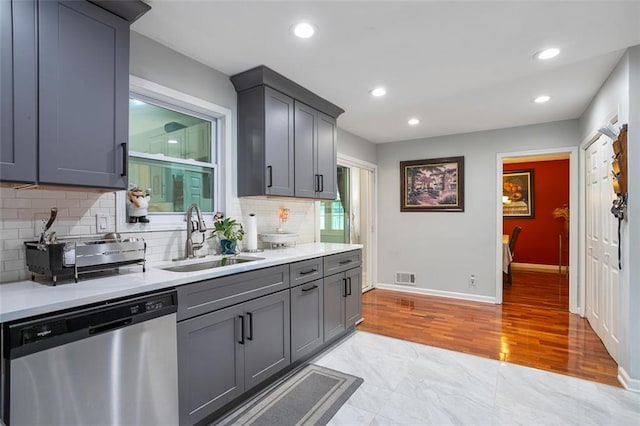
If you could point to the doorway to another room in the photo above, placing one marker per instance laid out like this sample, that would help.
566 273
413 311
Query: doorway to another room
350 217
535 228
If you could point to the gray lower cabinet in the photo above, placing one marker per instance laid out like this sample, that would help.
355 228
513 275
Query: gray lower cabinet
342 302
307 318
210 363
226 352
267 347
353 300
334 303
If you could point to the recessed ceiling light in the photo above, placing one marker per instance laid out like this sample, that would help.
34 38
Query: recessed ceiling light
172 141
542 99
413 121
378 91
547 53
304 30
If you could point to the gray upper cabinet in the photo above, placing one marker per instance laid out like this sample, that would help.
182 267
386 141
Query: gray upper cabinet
83 95
18 96
306 137
326 154
315 153
65 86
286 137
265 143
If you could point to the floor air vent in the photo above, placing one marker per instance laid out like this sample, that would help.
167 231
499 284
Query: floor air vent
406 278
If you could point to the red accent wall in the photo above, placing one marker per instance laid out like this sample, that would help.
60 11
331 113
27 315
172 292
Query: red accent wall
538 241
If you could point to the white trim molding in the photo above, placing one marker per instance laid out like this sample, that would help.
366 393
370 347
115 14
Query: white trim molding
223 180
438 293
348 161
574 207
537 267
626 381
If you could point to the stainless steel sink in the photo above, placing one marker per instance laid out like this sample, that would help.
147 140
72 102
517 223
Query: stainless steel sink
209 264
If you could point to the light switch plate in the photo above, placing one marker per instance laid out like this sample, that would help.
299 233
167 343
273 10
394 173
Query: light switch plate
102 222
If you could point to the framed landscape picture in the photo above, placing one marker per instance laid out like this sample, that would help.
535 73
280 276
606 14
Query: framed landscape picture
432 185
517 194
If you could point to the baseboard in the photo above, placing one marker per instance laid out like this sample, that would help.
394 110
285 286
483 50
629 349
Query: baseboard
626 381
439 293
537 267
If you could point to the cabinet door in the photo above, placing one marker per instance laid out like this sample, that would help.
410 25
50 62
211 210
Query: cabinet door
18 97
326 153
307 319
267 330
353 301
334 304
307 179
210 363
83 95
278 110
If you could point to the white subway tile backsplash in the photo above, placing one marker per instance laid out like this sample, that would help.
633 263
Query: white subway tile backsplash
13 265
23 210
76 195
39 194
8 276
7 234
67 203
12 244
11 255
16 203
9 213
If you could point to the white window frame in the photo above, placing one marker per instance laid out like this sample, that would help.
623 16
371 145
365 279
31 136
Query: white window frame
145 89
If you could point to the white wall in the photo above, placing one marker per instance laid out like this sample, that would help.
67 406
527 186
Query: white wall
620 94
630 354
444 249
356 147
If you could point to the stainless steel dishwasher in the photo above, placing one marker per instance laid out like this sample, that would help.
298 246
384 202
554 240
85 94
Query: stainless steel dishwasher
111 364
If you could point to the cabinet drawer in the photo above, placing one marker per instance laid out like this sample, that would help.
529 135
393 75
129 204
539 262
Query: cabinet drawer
342 261
210 295
305 271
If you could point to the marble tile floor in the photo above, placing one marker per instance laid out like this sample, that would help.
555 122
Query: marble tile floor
407 383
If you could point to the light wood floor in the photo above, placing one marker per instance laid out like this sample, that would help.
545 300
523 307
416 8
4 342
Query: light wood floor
527 329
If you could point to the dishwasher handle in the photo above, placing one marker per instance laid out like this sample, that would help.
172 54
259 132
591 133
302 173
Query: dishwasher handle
110 326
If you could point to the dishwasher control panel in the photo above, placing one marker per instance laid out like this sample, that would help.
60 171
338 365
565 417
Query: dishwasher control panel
55 329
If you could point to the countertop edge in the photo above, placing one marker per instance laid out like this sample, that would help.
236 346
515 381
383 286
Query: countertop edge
25 299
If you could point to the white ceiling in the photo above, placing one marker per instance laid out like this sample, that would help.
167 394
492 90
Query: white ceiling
457 66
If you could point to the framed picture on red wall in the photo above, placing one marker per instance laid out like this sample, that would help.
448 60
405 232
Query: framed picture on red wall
517 194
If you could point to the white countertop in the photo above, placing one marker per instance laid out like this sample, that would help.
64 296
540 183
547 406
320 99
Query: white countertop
27 298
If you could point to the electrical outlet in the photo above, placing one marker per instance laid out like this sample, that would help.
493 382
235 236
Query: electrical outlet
102 222
472 280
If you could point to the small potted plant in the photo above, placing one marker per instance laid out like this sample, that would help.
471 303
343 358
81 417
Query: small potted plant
229 231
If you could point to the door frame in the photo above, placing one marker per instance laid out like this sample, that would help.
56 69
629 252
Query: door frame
348 161
575 264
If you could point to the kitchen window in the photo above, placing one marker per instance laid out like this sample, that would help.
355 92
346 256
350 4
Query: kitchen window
172 153
179 146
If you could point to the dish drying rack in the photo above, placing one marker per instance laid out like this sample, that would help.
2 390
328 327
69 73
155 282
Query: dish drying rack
75 256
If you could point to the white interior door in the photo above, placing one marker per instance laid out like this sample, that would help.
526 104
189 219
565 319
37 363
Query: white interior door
602 297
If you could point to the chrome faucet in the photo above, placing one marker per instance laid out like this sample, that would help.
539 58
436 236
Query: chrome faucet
194 224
